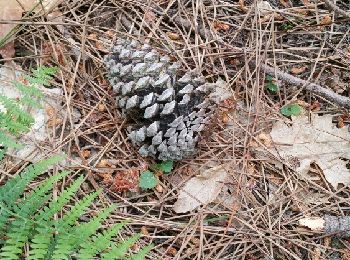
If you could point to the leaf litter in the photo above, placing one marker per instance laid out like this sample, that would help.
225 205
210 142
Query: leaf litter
314 140
201 189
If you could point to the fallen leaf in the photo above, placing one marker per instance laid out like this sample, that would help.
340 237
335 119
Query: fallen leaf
220 26
127 180
173 36
298 70
285 3
150 16
242 6
144 231
314 223
12 10
264 7
326 20
201 190
159 188
316 141
306 2
340 122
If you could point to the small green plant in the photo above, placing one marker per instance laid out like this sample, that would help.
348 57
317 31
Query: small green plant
287 26
270 84
29 221
148 180
164 167
291 110
14 116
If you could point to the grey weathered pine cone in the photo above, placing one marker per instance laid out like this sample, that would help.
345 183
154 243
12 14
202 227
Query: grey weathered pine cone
170 110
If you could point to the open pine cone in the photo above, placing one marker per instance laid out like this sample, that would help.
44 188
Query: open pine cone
169 110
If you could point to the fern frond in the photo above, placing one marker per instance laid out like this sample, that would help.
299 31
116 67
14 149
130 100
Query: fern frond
98 243
76 211
15 112
36 198
30 90
7 142
2 152
42 75
119 251
11 191
55 206
40 243
17 236
67 242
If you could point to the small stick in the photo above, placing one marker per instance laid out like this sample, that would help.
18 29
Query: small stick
332 6
328 224
312 87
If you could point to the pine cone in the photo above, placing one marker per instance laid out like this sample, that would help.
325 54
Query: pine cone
169 110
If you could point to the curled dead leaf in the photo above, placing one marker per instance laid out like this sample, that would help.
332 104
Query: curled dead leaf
298 70
220 26
173 36
326 20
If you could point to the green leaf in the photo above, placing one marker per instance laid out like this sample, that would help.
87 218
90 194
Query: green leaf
291 110
165 167
148 180
270 85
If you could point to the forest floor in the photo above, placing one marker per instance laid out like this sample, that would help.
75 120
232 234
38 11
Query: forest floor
269 188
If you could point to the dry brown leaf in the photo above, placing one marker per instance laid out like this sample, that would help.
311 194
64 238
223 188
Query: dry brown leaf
242 6
285 3
201 190
326 20
144 231
101 107
316 254
316 141
150 16
306 2
86 153
12 10
127 180
220 26
298 70
159 188
173 36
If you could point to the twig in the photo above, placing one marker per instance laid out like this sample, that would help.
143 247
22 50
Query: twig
312 87
328 224
336 9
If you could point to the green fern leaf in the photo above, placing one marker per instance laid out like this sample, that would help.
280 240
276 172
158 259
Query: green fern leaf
11 191
68 242
55 206
17 236
76 211
7 141
119 251
40 244
42 75
14 188
98 243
